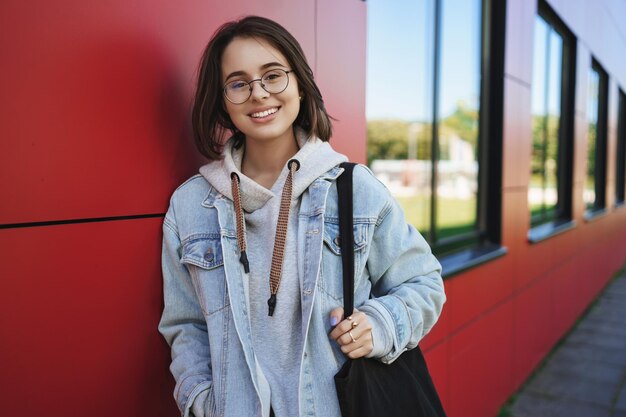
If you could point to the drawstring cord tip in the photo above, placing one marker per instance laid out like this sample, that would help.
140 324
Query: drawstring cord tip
244 261
272 304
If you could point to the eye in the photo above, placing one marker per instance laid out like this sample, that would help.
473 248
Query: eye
273 76
237 85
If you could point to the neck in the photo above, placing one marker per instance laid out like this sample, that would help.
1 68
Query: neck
263 161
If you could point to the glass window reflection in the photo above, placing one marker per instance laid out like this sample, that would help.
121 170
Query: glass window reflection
458 112
399 129
543 195
423 138
589 194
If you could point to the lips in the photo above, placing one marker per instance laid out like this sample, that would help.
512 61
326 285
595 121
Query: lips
264 113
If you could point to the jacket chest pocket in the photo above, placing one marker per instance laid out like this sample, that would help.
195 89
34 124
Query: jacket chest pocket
331 277
203 257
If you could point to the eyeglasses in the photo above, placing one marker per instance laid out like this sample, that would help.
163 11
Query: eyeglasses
273 81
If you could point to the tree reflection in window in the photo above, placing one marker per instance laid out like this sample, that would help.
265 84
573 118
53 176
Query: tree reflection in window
543 196
423 138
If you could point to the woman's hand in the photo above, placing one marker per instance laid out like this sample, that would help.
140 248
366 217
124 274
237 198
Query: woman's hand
354 334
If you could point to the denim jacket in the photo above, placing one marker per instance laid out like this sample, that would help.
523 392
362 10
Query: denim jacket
205 319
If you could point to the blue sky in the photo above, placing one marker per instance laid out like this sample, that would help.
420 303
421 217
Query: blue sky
400 57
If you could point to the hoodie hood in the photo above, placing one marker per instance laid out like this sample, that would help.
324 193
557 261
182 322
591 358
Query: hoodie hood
315 157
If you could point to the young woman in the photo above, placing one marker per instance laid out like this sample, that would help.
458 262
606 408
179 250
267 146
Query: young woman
251 247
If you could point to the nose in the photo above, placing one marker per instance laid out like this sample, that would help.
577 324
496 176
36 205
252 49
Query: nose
257 91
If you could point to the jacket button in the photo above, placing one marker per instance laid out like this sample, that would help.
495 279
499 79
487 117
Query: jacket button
337 241
208 256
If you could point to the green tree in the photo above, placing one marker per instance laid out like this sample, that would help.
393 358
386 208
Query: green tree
387 139
463 123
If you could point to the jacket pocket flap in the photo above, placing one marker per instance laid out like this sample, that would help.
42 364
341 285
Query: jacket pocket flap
332 239
204 252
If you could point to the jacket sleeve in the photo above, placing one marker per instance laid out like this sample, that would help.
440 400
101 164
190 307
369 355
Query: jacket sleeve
407 288
182 324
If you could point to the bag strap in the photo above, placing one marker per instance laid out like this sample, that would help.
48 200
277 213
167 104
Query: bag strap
346 235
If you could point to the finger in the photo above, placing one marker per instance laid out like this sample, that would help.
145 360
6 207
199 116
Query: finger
357 329
360 323
341 328
365 345
348 324
335 316
360 352
359 338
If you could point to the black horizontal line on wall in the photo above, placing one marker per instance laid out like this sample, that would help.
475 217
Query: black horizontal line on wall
75 221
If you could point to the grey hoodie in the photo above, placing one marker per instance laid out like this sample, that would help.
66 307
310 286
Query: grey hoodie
277 340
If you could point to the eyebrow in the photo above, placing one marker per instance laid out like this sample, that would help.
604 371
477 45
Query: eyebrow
264 66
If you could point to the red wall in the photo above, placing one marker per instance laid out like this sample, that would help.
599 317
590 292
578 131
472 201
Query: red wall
94 124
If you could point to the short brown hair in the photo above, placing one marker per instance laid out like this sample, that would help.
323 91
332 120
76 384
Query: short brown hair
209 118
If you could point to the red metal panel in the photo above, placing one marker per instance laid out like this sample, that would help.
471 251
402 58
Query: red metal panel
79 308
480 365
586 268
566 287
517 140
96 98
516 222
478 290
565 246
580 150
583 64
578 204
532 324
617 239
534 259
297 16
594 30
340 71
520 15
437 361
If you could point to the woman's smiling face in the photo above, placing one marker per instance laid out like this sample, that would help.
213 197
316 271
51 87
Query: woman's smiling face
264 116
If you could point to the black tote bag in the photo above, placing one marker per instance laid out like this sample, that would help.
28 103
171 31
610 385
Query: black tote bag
367 387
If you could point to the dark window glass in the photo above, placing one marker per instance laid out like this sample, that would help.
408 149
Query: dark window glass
595 183
620 178
458 107
546 121
552 108
399 103
424 115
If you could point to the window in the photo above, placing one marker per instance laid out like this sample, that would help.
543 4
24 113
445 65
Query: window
434 131
595 185
553 83
620 177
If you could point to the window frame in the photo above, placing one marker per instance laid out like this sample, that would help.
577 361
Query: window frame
452 244
563 219
600 173
620 166
485 245
466 250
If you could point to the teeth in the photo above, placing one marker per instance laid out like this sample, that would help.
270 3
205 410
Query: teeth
264 113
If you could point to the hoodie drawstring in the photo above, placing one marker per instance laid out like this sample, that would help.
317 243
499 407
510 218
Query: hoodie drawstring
241 239
281 231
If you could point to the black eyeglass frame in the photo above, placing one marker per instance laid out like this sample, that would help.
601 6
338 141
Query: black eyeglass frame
262 85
